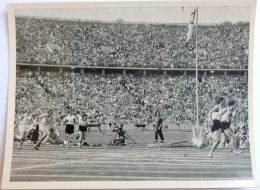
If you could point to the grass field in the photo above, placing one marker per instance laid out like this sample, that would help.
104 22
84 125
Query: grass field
142 161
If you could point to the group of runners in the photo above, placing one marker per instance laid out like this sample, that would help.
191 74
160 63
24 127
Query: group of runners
220 117
46 125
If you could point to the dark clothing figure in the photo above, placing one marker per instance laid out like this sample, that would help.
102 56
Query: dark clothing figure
158 130
34 134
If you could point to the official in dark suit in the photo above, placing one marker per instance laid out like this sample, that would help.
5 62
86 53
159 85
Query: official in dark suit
158 131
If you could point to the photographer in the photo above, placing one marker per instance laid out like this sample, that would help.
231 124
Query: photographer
122 135
121 139
52 137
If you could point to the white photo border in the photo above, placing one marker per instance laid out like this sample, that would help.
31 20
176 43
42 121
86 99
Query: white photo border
7 184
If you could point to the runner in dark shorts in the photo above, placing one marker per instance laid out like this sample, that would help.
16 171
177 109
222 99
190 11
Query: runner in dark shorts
82 127
69 129
216 125
228 114
224 126
214 117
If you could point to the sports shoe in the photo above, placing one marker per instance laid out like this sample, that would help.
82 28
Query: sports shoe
238 152
230 150
155 141
35 148
162 141
211 156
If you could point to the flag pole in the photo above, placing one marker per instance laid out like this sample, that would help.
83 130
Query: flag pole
197 96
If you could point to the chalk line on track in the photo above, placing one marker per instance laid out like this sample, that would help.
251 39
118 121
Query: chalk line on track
40 164
124 177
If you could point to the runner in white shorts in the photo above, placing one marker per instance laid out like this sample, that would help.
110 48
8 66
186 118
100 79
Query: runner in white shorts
46 122
24 123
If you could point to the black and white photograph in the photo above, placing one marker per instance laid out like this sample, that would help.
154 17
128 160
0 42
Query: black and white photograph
130 92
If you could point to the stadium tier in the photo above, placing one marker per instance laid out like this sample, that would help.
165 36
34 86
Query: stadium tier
130 97
121 44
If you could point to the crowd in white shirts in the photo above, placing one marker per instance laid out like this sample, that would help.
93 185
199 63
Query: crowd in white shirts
121 44
130 97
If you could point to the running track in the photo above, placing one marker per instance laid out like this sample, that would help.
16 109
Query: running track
56 163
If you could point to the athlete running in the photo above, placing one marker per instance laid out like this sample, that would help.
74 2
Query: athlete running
82 127
214 117
46 122
228 114
69 129
24 123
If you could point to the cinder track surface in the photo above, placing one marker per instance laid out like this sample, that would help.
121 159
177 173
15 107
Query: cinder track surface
134 162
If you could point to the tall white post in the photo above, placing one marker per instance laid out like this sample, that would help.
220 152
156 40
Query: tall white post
197 95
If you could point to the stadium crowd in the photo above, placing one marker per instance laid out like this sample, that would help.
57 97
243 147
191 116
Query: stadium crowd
232 87
120 44
113 96
131 97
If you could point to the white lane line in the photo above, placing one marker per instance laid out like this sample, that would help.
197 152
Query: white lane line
127 177
150 156
226 157
187 159
48 165
136 154
170 161
148 171
122 151
114 162
100 162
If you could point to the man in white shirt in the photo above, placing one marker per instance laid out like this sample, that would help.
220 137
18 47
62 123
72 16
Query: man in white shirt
69 129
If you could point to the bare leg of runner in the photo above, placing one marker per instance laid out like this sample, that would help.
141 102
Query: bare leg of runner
81 138
39 142
216 139
22 139
68 140
223 140
229 133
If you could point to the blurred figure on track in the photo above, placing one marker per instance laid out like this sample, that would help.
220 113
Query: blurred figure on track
158 130
24 124
46 122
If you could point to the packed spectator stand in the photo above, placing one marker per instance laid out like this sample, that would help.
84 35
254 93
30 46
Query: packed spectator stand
131 97
121 44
